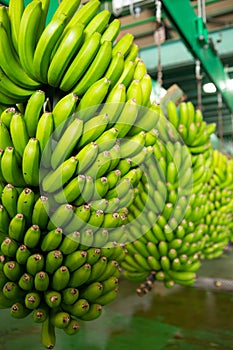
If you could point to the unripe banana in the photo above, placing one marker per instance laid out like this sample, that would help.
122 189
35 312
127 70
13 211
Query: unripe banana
79 277
96 70
33 110
22 254
40 212
17 126
5 139
92 98
34 264
51 240
31 162
12 270
54 180
26 282
71 41
81 62
19 311
25 204
53 261
9 247
32 236
62 111
67 143
123 44
17 226
60 278
44 47
9 197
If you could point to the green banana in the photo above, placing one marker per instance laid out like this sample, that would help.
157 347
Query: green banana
60 278
94 312
67 142
51 240
22 254
114 102
78 309
73 326
10 169
53 261
48 337
41 281
98 23
35 263
17 126
10 89
7 114
19 311
123 44
86 156
84 14
12 270
132 53
40 212
92 98
25 204
31 162
146 87
33 110
17 226
79 277
32 236
96 70
27 34
71 191
115 68
40 314
112 31
52 298
11 65
81 62
9 197
127 74
108 297
75 260
15 11
70 295
60 319
92 129
64 108
43 134
56 179
126 118
26 282
66 7
134 90
67 48
107 140
45 45
92 291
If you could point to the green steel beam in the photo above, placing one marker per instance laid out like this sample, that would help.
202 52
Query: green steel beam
195 36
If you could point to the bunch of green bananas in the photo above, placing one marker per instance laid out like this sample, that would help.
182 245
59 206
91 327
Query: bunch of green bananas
177 201
220 202
69 159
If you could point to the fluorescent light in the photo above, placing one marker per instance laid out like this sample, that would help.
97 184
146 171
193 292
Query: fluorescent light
209 88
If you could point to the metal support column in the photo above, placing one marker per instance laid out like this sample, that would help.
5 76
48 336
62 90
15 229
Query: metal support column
194 33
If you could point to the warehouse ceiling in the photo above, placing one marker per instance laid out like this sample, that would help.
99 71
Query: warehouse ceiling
139 18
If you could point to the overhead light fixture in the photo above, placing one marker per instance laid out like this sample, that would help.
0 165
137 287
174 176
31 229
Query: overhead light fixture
209 88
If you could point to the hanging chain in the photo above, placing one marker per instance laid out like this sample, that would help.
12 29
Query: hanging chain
220 127
159 39
199 84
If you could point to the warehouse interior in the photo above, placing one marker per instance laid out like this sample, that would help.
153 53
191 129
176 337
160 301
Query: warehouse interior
187 49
